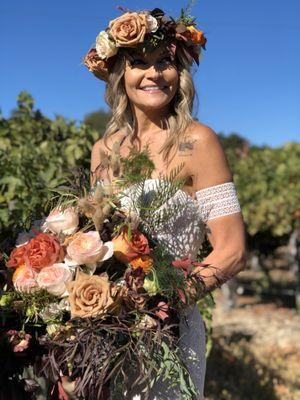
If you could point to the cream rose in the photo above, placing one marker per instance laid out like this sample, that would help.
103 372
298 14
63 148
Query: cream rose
90 296
88 248
152 24
104 46
129 29
54 279
59 221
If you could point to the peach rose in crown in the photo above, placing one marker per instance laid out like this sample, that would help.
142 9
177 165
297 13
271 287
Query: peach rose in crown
127 248
88 248
54 279
59 221
129 29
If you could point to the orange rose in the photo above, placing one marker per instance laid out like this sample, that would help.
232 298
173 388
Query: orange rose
197 37
144 261
17 257
129 29
90 296
125 249
42 251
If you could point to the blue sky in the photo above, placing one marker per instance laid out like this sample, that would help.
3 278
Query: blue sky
248 81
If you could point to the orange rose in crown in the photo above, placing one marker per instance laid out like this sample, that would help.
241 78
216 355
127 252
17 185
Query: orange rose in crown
128 247
196 36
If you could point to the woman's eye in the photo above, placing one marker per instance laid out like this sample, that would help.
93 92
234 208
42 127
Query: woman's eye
137 62
166 60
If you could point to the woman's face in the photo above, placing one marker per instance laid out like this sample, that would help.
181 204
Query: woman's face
151 80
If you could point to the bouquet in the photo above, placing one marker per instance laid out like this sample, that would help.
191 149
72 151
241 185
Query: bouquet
97 293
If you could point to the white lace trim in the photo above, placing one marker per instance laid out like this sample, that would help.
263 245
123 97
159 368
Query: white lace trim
218 201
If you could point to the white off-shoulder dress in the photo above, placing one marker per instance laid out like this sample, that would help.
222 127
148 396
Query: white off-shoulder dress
182 235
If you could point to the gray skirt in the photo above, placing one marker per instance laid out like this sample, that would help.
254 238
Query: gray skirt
193 346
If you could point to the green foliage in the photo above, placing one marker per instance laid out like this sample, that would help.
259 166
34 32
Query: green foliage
97 120
268 184
136 167
36 154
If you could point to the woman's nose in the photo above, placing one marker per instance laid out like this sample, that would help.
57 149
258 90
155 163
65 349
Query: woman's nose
153 71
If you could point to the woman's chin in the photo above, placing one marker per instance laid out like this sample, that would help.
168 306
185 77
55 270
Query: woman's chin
154 104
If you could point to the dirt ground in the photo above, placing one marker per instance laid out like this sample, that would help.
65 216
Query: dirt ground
255 353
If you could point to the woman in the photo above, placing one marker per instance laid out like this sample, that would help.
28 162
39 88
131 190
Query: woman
145 59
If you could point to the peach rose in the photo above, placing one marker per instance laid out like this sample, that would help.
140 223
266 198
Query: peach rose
16 257
54 279
144 261
125 249
97 66
88 248
42 251
25 279
90 296
59 221
129 29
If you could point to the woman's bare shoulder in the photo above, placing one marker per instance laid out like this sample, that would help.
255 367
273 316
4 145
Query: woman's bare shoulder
202 134
207 161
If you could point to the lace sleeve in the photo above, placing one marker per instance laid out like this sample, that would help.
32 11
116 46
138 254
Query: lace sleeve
218 201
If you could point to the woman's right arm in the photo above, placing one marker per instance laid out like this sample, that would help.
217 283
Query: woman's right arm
96 162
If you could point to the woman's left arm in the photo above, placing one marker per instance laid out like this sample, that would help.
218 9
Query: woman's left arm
213 188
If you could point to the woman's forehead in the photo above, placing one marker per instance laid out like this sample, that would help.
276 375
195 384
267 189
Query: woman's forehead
157 52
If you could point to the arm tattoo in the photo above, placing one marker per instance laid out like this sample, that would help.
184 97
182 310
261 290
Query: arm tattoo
186 148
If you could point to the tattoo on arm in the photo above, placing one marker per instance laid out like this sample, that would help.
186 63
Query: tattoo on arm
186 147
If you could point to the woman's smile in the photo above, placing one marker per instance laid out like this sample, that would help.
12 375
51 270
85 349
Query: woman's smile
154 89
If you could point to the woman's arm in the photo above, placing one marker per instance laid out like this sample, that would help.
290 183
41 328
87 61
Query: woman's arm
95 162
208 167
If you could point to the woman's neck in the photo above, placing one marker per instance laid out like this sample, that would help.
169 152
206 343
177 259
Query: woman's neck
149 122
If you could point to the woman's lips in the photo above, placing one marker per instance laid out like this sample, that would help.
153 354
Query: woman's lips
153 89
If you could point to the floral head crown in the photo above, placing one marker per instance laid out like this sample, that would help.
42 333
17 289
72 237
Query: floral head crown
145 29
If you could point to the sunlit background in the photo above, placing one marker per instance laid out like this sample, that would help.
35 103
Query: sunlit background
248 86
248 81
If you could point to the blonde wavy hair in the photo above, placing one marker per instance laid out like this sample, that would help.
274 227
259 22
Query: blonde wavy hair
181 106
